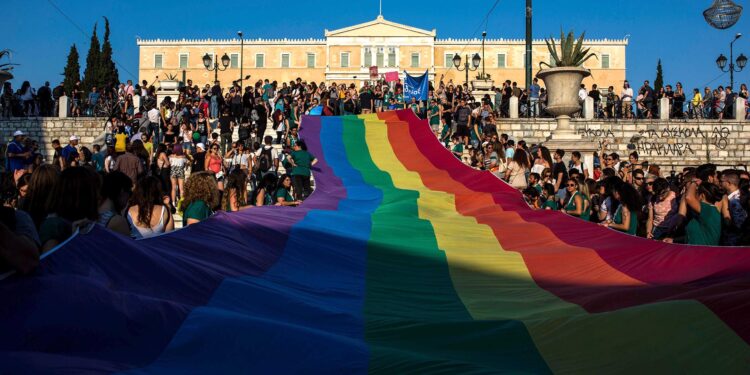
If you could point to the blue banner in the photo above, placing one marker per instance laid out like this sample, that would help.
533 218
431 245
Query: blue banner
416 87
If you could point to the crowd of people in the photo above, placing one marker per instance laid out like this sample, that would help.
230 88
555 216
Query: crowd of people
609 103
699 206
213 148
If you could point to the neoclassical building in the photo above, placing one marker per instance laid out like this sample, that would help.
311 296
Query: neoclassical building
346 55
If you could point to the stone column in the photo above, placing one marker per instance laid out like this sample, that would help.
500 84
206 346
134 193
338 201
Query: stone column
664 108
136 104
63 107
513 110
588 108
739 109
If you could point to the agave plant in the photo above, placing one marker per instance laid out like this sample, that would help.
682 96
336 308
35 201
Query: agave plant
572 53
7 67
171 77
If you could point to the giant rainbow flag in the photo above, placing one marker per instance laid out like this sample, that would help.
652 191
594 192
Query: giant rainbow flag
402 260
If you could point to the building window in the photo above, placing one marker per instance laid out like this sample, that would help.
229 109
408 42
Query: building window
260 60
448 60
501 60
284 60
368 56
344 59
183 61
380 57
523 60
310 60
234 61
391 56
415 60
158 61
605 61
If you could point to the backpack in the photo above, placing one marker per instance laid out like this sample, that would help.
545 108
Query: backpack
244 132
264 160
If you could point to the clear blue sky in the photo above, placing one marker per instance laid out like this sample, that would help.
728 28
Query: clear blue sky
673 30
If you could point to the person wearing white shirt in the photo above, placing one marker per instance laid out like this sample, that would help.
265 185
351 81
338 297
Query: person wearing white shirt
626 95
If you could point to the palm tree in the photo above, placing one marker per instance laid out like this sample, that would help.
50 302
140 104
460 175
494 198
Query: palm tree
6 67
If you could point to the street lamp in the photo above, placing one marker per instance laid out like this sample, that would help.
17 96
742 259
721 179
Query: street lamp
484 35
474 63
242 54
207 60
741 61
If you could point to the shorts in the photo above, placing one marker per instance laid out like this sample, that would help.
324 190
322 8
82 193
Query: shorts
177 172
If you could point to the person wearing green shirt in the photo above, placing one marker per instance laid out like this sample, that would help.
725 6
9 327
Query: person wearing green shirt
201 194
704 228
433 114
414 106
283 198
534 179
445 134
550 198
458 147
625 218
301 161
577 203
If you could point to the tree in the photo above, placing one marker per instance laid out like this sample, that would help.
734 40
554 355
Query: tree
107 69
72 71
659 81
92 74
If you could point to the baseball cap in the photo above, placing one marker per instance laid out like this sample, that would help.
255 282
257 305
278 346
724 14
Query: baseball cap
201 145
74 138
18 132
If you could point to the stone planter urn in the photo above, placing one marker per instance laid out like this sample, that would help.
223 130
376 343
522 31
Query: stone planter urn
169 85
562 86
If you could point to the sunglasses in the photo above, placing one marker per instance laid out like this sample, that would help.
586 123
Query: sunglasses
571 185
638 178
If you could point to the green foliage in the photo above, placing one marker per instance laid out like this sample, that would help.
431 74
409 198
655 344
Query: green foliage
572 53
107 69
659 81
92 75
72 71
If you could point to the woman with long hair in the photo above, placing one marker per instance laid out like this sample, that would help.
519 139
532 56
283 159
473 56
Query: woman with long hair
625 218
515 175
235 191
576 204
201 195
214 164
283 197
116 190
264 193
74 202
37 202
662 209
148 216
543 160
301 161
177 163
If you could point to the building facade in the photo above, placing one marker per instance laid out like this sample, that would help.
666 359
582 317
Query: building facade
346 55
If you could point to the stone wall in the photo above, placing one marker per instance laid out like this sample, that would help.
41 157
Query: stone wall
670 144
45 129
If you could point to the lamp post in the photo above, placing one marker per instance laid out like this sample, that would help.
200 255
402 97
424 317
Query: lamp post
741 61
207 60
242 54
484 35
528 50
474 65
